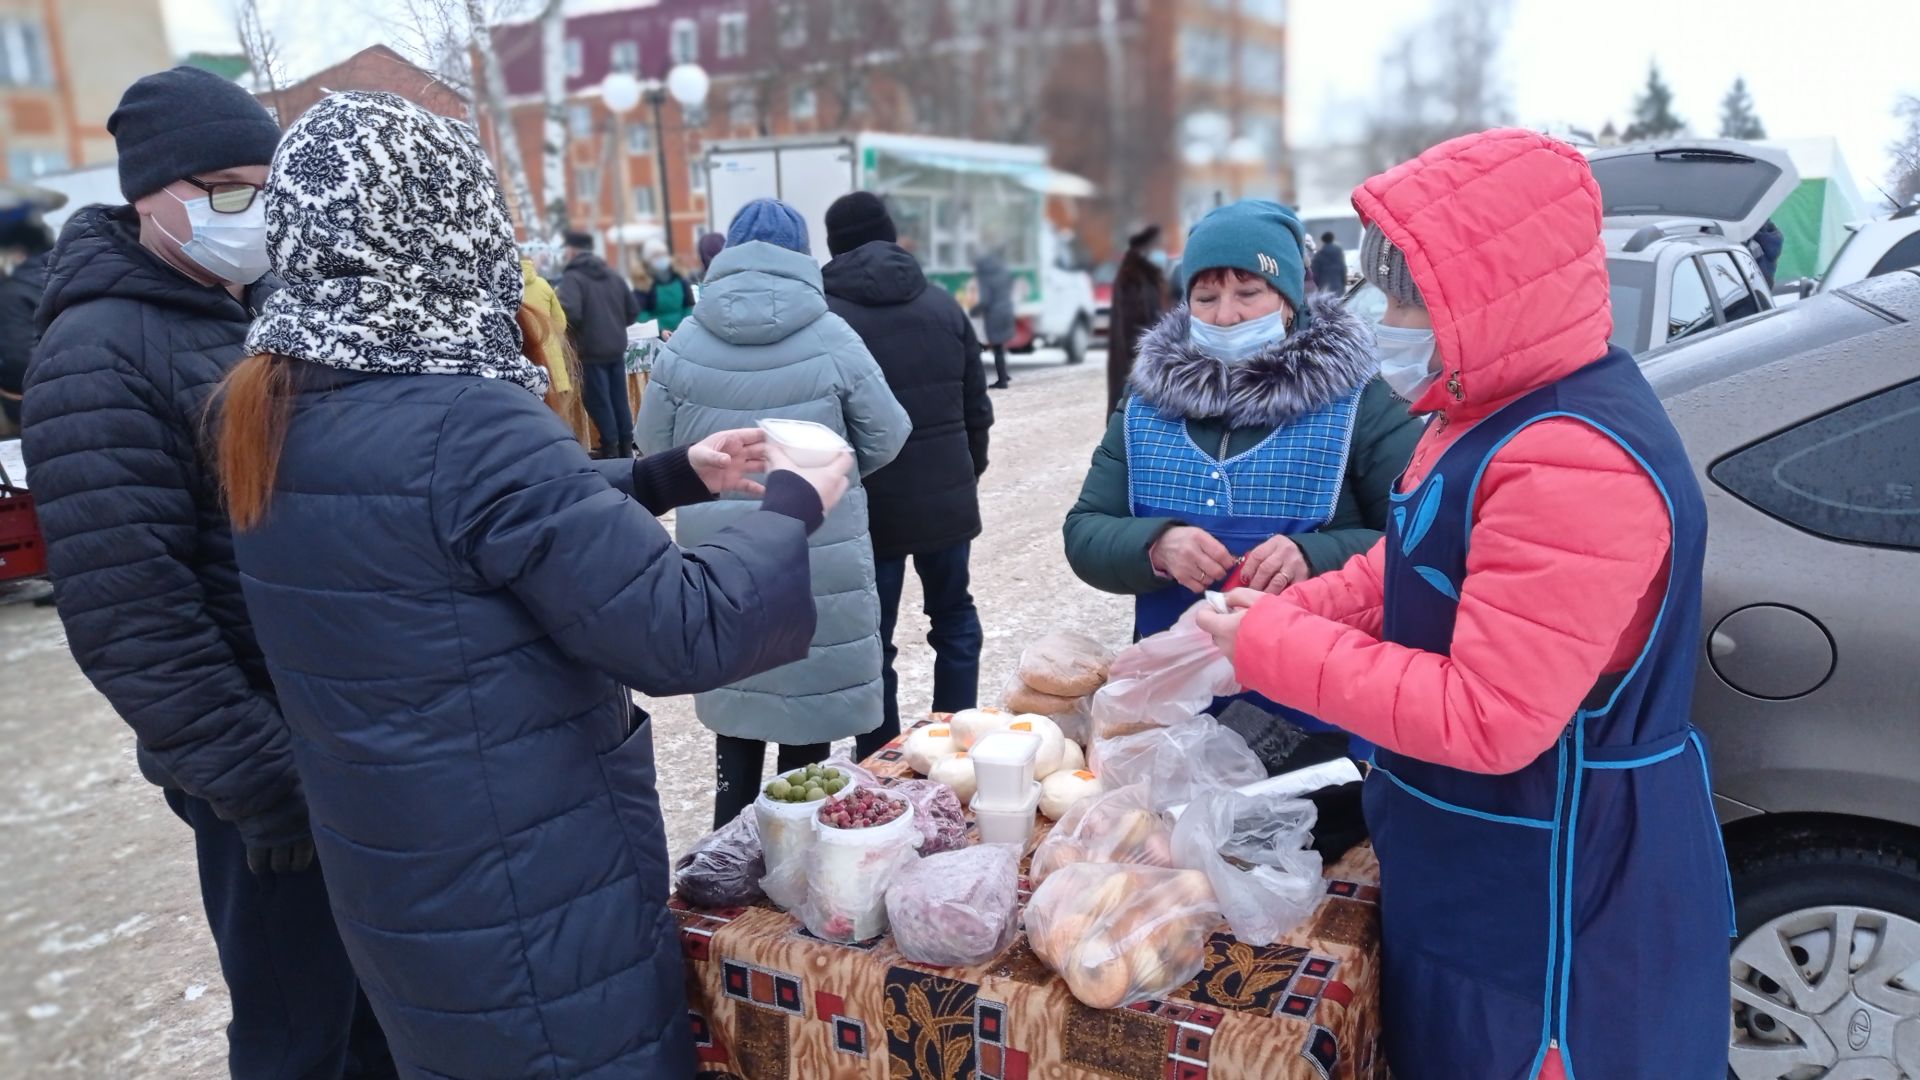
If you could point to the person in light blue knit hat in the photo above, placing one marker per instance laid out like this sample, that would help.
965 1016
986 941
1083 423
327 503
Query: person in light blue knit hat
759 344
771 221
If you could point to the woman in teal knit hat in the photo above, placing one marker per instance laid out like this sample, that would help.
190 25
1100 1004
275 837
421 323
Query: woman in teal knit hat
1256 446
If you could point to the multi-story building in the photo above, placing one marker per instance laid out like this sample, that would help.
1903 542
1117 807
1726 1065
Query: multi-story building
376 68
63 66
1168 106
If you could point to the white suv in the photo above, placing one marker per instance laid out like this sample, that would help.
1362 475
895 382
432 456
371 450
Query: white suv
1875 248
1677 218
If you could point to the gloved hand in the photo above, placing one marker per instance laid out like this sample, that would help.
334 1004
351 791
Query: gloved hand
289 858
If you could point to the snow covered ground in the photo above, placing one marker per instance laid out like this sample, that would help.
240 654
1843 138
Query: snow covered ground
106 968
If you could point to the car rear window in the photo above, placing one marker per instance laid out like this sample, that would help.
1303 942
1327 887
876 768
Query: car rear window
1852 474
1724 187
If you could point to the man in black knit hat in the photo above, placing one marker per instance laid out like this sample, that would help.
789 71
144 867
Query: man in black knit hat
146 308
926 505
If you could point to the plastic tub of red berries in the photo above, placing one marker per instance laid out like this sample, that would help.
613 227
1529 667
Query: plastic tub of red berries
863 838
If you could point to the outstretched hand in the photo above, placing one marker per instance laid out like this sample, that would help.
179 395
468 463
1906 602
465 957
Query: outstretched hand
726 460
1224 628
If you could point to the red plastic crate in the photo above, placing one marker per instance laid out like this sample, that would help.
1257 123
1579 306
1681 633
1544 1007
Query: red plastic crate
23 553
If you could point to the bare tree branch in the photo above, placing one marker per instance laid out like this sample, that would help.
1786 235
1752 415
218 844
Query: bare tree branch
262 52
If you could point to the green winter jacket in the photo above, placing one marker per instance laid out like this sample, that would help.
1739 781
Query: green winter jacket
1240 406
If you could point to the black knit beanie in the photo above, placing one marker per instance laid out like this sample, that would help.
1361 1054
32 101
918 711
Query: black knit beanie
858 218
184 122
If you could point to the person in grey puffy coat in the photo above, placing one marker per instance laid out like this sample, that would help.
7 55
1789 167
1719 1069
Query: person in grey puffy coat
994 308
761 343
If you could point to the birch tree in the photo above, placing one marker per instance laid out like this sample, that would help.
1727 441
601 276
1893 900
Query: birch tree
493 85
555 132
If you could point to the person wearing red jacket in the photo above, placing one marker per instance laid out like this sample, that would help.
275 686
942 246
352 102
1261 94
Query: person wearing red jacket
1521 647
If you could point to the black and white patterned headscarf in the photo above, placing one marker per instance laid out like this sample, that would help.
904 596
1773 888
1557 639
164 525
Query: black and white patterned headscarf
390 230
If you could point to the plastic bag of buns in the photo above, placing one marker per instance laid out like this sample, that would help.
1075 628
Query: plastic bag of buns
1065 665
1070 714
1114 827
1122 934
1177 763
1254 852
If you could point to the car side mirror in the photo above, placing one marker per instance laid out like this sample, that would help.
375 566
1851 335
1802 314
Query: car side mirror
1799 287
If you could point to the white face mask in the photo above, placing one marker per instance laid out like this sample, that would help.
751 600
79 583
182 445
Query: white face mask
662 266
1239 341
231 247
1406 360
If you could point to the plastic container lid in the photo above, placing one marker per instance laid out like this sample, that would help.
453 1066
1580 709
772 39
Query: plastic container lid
1007 824
1003 764
807 443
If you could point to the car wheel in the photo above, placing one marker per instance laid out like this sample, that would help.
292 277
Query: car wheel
1826 970
1077 339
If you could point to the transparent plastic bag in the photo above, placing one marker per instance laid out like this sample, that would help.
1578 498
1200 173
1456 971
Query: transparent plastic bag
724 870
1160 681
957 908
1065 664
1122 934
1177 763
1254 852
1113 827
937 813
787 836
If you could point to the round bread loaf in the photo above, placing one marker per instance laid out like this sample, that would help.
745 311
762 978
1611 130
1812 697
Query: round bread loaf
1066 665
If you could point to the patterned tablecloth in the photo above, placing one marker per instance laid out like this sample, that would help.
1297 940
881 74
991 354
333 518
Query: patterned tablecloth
771 1001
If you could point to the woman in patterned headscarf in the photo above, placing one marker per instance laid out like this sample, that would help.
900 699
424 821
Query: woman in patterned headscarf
451 597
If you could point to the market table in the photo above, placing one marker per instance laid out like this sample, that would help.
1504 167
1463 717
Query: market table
770 1001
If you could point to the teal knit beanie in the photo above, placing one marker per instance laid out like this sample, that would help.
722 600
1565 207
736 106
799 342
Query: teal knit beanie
1259 236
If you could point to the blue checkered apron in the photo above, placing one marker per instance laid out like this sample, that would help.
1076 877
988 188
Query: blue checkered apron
1289 483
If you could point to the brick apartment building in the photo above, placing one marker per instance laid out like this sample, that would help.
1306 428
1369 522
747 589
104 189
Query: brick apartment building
63 67
377 68
1140 96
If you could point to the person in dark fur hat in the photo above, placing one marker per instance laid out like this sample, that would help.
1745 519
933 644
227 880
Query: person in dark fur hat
1257 446
1139 299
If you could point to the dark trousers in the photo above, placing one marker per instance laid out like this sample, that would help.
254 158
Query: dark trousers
739 762
606 394
1000 365
297 1009
955 636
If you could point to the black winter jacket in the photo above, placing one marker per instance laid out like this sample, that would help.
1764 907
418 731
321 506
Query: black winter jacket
599 308
137 539
929 497
20 294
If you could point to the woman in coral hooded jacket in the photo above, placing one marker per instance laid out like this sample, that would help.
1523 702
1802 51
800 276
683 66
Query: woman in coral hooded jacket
1553 891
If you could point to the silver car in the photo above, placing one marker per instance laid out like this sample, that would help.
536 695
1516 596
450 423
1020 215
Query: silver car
1803 424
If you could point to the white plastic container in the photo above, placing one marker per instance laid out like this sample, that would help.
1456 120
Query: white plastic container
848 873
786 829
1011 825
810 445
1003 768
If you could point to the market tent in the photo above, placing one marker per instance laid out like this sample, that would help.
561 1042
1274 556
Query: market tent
1815 215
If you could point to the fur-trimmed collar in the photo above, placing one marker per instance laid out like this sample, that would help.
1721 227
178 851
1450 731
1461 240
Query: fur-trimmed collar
1331 358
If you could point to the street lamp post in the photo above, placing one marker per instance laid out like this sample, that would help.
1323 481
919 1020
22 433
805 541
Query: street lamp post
620 92
688 85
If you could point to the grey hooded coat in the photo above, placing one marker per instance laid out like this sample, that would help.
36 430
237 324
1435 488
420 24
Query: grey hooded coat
761 343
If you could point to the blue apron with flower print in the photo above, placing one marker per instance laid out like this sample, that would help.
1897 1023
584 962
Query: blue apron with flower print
1581 903
1290 483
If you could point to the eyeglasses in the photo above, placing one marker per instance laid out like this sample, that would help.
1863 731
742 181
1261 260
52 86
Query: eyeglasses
227 197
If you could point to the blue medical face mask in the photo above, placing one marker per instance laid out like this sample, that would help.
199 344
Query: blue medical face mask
1406 360
1239 341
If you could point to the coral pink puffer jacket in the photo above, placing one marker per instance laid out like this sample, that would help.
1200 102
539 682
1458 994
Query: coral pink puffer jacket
1502 233
1570 537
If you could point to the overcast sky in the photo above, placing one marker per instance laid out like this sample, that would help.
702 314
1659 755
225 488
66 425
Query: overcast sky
1815 67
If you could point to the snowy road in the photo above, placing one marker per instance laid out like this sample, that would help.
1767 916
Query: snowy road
106 969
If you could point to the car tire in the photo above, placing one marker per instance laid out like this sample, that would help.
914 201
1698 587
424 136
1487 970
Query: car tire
1077 341
1794 898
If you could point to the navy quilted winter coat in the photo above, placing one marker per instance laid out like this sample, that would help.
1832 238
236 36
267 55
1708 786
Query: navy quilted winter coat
450 595
136 537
